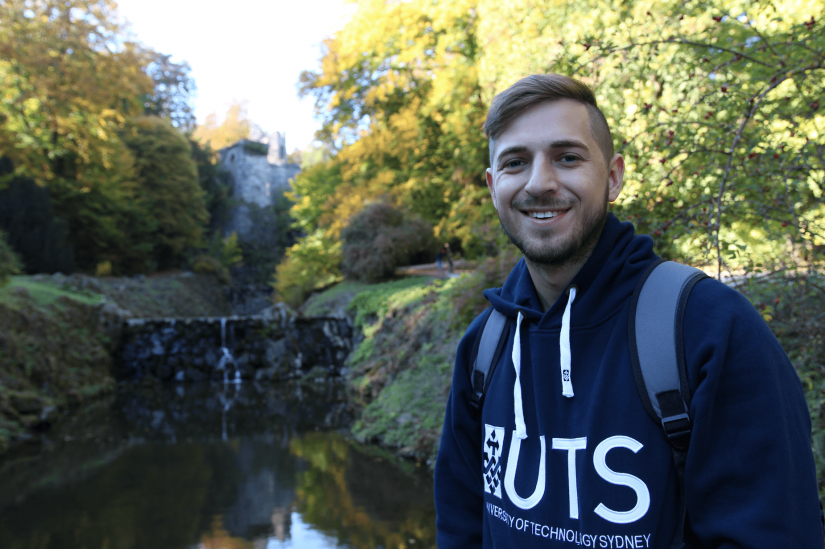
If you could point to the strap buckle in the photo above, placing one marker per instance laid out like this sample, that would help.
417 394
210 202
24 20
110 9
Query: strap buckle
677 429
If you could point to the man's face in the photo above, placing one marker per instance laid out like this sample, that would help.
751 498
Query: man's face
550 183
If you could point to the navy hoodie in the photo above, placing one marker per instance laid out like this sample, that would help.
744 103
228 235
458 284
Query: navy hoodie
593 469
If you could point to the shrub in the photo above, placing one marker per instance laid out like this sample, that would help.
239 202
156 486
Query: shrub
205 264
9 262
381 238
312 263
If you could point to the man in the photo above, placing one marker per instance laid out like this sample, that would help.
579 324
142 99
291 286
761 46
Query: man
571 458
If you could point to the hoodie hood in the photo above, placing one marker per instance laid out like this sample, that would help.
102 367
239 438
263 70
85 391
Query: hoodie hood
613 268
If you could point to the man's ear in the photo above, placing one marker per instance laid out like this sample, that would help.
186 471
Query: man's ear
489 175
615 177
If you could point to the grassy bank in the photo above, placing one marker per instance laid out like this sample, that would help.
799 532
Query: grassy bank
55 353
400 373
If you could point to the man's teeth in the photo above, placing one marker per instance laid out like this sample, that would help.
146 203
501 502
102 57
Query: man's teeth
544 215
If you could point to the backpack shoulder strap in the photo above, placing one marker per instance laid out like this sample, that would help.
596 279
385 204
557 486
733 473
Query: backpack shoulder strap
657 350
489 344
657 354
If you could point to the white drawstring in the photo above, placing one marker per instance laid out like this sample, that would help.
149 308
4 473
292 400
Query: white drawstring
521 429
565 359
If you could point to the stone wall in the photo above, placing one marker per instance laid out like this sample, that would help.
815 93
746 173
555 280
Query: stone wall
274 345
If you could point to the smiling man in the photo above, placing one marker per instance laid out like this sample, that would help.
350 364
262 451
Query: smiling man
559 450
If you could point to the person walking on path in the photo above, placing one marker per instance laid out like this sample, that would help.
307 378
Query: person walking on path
449 255
559 450
439 260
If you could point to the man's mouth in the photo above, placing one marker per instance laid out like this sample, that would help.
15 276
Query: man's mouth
545 215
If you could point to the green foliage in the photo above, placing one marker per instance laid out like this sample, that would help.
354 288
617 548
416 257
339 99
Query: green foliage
312 263
214 183
381 238
401 372
320 304
715 106
10 264
69 79
252 147
376 300
234 127
402 111
231 254
266 242
205 264
173 90
793 304
167 187
45 293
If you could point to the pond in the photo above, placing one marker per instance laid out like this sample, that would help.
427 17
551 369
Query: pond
214 466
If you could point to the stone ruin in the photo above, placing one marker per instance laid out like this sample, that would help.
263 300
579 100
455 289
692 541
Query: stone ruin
259 170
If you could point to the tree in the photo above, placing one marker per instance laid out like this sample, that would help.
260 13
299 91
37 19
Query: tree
173 90
715 106
234 127
213 182
167 186
266 242
403 111
31 229
69 81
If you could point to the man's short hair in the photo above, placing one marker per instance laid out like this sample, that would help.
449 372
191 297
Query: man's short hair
538 88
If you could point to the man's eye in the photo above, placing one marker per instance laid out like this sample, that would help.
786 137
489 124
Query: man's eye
515 163
569 158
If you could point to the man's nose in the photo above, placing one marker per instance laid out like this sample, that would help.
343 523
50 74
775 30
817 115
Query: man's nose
543 178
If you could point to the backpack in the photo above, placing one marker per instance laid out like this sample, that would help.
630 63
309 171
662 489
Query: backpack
657 356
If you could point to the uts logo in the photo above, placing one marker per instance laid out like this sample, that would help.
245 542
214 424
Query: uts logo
565 374
493 440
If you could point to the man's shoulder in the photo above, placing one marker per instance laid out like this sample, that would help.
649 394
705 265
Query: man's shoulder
714 297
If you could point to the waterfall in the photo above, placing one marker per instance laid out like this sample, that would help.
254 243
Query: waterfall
227 357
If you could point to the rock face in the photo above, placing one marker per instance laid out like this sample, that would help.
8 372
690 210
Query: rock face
273 345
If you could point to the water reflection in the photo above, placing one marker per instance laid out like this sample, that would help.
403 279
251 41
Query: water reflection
165 468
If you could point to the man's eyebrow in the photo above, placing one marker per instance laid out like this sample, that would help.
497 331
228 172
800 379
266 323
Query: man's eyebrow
567 143
558 144
510 150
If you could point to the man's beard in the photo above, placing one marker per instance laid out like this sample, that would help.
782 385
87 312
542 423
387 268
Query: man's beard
574 248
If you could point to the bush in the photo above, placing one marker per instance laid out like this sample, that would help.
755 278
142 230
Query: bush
205 264
381 238
9 262
309 265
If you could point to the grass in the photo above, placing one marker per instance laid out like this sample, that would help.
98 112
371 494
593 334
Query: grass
401 372
44 293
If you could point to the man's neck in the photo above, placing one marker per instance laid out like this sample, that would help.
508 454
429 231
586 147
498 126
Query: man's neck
550 282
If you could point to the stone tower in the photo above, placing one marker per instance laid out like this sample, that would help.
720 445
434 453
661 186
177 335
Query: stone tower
277 149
